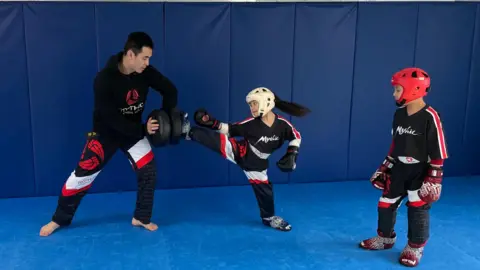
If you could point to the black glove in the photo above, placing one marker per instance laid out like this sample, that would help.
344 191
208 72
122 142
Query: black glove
288 162
202 118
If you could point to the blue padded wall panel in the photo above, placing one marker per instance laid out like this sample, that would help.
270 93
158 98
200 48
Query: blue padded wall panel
323 69
444 45
197 60
471 133
62 61
261 55
17 163
336 59
384 46
112 31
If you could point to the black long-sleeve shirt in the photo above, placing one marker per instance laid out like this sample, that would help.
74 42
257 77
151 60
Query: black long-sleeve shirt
263 140
120 99
418 137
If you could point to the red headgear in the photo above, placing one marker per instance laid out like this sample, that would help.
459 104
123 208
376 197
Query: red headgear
415 83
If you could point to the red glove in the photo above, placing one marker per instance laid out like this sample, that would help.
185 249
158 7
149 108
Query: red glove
432 185
383 173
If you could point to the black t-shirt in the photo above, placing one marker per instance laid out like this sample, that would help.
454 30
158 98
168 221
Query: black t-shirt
120 99
418 137
264 140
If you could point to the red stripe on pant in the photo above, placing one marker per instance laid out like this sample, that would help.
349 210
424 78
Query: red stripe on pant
416 204
223 143
256 181
70 192
384 205
145 160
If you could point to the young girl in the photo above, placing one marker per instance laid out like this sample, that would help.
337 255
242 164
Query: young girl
413 167
261 134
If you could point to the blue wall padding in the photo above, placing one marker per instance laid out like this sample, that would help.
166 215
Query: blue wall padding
262 41
62 60
323 73
385 42
335 58
471 132
17 165
444 48
197 59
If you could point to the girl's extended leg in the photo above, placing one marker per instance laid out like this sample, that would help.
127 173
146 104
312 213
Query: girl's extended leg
217 142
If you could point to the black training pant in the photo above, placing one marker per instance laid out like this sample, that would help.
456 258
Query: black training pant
406 180
237 152
96 154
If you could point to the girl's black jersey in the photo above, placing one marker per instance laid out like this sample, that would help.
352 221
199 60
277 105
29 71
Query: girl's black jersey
263 140
418 137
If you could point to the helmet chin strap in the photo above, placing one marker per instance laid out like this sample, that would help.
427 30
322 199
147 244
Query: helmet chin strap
401 103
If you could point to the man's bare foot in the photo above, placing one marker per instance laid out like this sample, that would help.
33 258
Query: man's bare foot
48 229
150 226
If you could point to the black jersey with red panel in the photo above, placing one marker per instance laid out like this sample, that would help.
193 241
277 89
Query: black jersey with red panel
263 140
120 99
418 137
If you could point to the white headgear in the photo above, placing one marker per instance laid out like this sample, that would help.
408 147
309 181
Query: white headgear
265 99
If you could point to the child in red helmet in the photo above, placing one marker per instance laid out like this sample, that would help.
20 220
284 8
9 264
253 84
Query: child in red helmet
413 168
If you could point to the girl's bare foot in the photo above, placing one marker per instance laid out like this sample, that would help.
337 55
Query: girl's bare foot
48 229
150 226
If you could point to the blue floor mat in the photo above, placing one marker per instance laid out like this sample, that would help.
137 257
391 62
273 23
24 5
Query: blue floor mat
219 228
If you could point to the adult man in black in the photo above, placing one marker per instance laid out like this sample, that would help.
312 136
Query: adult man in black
121 88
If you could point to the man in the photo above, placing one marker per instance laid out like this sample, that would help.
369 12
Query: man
121 88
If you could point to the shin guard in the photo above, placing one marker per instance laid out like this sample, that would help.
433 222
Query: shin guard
387 215
418 224
387 218
146 177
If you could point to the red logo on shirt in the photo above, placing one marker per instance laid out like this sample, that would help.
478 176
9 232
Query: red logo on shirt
132 97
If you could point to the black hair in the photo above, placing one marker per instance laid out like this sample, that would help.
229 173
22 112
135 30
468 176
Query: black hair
291 108
136 41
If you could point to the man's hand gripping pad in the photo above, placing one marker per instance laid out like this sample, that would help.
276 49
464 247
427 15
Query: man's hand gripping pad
162 136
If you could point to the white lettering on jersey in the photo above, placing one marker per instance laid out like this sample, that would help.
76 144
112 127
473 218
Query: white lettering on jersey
266 139
401 130
133 109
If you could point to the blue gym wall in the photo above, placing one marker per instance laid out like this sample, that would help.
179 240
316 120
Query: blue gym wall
336 59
